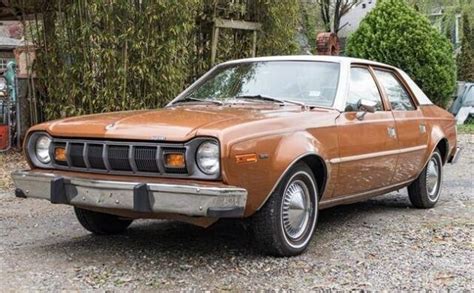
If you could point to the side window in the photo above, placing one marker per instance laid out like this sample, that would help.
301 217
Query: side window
396 93
362 86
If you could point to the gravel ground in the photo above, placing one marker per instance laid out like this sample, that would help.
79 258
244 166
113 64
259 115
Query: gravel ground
378 244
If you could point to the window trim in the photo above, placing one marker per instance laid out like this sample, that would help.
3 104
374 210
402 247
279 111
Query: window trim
402 82
379 89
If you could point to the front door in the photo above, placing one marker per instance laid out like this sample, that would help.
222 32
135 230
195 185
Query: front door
368 147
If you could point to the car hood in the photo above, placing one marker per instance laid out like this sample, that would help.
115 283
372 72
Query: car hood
171 124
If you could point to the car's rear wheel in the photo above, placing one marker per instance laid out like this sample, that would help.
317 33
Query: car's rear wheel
424 192
285 224
100 223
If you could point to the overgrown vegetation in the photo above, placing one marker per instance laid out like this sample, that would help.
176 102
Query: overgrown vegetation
101 55
465 59
467 127
449 9
396 34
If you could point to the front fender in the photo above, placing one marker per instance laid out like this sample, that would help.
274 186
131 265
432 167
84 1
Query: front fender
276 154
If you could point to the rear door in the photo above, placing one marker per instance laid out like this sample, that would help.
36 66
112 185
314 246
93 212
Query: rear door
410 125
368 147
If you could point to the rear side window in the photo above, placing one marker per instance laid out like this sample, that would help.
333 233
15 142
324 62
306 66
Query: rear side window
419 94
396 93
362 87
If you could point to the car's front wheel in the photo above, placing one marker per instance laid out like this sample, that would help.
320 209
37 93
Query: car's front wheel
100 223
425 190
285 224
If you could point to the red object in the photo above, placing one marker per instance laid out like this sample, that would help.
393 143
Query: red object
4 137
327 44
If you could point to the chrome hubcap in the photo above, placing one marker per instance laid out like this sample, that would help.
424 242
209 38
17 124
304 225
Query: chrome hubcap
296 209
432 178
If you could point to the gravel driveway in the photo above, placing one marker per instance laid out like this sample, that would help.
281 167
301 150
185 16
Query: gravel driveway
381 243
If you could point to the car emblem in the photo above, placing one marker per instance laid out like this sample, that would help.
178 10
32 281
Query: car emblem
158 138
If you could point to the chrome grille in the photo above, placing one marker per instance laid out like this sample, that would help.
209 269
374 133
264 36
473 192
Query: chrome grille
95 156
76 157
118 157
143 159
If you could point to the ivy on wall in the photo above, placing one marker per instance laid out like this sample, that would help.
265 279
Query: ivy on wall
97 56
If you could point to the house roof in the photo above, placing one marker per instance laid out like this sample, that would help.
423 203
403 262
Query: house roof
10 43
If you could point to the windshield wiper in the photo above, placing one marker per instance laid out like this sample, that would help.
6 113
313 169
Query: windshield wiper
268 98
189 99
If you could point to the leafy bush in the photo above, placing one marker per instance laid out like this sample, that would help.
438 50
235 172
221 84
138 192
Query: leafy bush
397 34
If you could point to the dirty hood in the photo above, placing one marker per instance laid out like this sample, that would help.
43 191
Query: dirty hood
171 124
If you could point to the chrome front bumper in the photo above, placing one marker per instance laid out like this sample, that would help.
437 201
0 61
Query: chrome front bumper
190 200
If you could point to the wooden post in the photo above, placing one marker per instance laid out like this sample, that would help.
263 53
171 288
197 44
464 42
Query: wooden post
254 46
215 39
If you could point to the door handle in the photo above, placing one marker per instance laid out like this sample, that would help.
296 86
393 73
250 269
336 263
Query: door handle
392 133
422 128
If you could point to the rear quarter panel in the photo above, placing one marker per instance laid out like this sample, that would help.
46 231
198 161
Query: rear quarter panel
440 124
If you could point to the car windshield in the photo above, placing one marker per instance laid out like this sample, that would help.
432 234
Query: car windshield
309 83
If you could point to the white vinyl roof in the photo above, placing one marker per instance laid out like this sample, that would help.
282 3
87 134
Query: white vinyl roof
336 59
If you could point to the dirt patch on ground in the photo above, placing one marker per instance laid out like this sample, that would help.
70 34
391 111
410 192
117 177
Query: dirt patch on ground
382 243
10 161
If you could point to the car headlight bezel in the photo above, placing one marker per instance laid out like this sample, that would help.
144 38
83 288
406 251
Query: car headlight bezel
208 157
44 159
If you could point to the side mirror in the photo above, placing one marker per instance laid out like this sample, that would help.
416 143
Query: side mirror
364 107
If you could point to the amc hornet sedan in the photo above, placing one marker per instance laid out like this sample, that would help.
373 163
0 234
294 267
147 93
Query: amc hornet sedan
272 139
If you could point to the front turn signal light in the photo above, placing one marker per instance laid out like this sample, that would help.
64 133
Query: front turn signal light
60 154
175 160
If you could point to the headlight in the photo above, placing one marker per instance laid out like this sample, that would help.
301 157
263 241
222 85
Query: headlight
207 157
42 149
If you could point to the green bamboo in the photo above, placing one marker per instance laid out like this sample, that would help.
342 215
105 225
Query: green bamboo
106 55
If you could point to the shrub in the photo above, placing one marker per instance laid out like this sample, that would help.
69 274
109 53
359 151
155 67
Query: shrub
396 34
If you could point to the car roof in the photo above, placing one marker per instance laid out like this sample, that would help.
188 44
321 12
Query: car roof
336 59
339 103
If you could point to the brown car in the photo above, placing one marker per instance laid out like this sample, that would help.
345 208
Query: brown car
271 139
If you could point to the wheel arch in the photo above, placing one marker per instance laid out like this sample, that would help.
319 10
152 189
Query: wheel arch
319 168
443 147
439 141
317 165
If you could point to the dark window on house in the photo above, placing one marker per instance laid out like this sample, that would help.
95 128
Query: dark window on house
363 6
3 64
